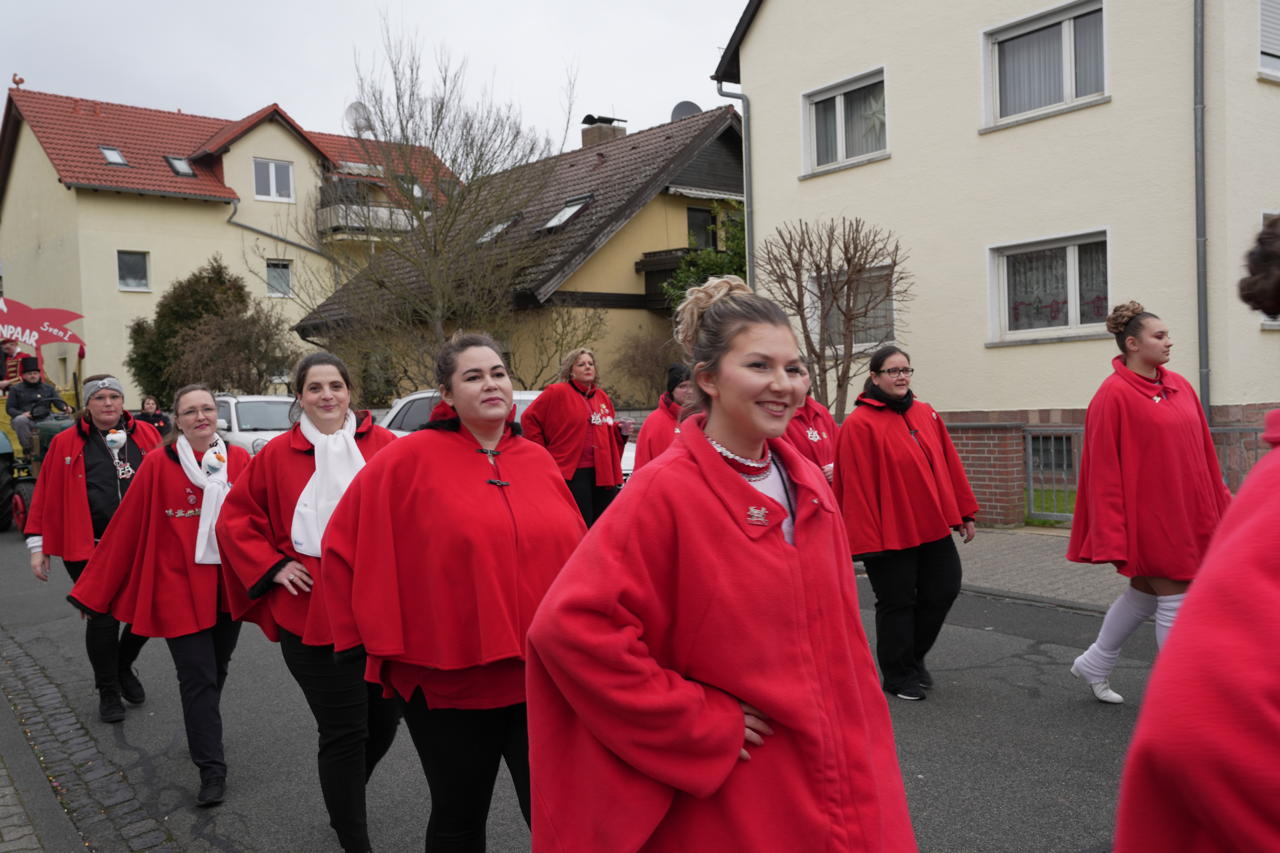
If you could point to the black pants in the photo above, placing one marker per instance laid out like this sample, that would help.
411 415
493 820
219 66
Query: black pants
914 588
201 660
460 751
592 500
356 727
112 650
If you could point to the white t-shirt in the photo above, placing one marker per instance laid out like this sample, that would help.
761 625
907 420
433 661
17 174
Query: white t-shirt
777 485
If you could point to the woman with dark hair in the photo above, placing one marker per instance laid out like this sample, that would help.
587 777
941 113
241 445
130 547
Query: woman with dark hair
434 562
700 659
1150 493
270 531
1203 770
70 510
150 413
903 490
575 420
813 432
661 427
157 568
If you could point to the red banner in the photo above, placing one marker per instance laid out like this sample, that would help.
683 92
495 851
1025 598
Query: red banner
35 327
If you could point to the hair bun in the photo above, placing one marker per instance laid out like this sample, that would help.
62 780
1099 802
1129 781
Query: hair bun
696 302
1260 289
1120 316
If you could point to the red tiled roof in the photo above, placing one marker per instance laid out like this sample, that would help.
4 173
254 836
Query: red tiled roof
72 130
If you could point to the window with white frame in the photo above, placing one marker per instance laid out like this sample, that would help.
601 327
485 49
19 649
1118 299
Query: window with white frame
272 180
846 122
279 280
1055 59
1055 286
113 156
131 269
872 309
1269 29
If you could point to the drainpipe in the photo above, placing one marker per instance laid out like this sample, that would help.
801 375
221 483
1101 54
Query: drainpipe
747 209
231 220
1202 262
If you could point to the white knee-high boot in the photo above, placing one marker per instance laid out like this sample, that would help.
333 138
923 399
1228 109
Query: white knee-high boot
1166 612
1126 613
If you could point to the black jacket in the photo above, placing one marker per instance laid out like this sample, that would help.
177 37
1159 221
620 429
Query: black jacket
23 396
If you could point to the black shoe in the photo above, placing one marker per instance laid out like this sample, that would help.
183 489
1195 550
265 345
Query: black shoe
923 677
131 688
212 792
910 692
110 708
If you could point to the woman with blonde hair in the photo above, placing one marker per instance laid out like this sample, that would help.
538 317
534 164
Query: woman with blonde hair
700 658
1150 493
575 420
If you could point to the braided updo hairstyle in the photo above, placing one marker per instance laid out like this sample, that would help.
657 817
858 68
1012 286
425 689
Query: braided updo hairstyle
711 316
1126 321
1260 289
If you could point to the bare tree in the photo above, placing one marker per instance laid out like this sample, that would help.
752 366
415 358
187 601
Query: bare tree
544 335
642 359
844 283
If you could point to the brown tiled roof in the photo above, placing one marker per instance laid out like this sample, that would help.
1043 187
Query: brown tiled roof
621 176
72 130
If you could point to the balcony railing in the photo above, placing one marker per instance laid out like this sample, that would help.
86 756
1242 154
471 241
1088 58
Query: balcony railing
362 218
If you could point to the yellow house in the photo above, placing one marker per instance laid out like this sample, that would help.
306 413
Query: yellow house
601 232
103 205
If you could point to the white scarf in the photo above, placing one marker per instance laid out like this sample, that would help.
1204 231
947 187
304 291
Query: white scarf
214 485
338 460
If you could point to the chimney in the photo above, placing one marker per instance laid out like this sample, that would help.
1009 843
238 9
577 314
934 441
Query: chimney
598 129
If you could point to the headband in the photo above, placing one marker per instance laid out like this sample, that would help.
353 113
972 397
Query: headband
108 383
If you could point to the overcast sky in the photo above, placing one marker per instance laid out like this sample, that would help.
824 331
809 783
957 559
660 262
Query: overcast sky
632 60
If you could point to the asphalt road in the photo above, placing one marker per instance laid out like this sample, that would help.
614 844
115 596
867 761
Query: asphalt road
1009 753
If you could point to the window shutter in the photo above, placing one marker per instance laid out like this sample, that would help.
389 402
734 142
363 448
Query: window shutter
1270 27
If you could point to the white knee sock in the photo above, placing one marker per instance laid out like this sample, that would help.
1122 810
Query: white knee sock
1166 612
1126 613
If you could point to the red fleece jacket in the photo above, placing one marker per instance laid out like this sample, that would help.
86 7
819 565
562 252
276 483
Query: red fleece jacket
144 570
658 431
255 532
60 506
1150 493
1203 770
813 432
559 419
683 600
898 478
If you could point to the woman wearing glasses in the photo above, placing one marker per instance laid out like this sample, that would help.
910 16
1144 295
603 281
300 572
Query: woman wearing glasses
903 490
157 568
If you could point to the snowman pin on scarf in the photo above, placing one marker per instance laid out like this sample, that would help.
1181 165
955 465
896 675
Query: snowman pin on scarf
116 439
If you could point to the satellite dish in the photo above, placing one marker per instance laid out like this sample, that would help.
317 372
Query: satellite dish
358 119
684 109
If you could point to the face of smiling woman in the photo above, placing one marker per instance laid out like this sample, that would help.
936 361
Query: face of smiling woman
480 390
756 389
325 398
198 419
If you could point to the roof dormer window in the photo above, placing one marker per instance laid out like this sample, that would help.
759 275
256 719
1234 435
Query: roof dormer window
113 156
570 209
493 232
181 166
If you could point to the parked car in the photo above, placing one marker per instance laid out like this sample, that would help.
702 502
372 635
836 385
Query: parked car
250 421
410 412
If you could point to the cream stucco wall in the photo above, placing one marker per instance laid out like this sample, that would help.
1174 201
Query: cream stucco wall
64 254
950 193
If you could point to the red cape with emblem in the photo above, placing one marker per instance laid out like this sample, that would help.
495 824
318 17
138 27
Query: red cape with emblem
255 532
898 477
558 420
813 432
437 558
683 600
144 570
60 506
1203 770
658 431
1150 493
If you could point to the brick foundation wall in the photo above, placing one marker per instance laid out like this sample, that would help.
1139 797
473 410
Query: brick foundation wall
992 454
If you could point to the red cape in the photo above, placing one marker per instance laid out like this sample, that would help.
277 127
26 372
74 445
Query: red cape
1203 770
813 432
898 477
144 570
558 420
255 527
1150 493
60 506
658 431
682 600
428 562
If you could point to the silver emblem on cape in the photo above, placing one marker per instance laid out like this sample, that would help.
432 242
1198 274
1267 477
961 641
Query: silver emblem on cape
813 435
758 515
